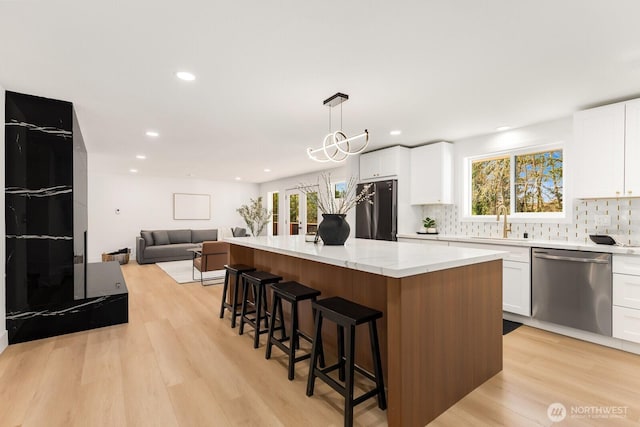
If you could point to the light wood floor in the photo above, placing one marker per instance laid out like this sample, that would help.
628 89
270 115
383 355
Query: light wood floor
177 363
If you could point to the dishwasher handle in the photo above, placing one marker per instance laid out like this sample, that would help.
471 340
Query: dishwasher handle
568 258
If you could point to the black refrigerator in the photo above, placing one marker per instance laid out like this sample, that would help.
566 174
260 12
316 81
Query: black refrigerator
378 220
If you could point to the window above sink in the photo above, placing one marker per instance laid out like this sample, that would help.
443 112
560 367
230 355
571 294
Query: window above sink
528 181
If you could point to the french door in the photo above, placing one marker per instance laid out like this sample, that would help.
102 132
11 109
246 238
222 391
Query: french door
301 213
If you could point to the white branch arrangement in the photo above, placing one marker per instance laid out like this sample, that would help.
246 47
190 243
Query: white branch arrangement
255 215
322 193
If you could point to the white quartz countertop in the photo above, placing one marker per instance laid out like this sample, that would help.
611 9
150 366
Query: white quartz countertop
391 259
532 243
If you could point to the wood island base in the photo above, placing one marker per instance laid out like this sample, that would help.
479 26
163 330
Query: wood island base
440 337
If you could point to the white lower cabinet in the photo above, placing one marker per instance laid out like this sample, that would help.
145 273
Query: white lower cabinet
516 276
626 290
626 297
516 287
626 323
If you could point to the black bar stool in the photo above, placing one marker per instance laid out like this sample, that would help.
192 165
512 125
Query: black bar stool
347 315
236 270
292 292
258 280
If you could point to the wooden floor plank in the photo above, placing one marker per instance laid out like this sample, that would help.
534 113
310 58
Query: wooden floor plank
20 378
59 389
145 393
177 363
100 403
101 359
170 354
195 405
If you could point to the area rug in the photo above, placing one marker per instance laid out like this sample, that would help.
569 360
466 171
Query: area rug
509 326
181 272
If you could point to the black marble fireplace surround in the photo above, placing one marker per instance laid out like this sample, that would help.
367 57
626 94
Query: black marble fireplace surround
48 289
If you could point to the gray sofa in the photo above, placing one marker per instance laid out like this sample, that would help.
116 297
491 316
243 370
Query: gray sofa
170 245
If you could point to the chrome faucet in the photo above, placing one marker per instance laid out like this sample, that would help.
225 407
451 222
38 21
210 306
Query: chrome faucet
506 228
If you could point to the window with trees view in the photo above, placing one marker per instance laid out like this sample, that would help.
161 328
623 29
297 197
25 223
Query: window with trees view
274 210
533 180
491 184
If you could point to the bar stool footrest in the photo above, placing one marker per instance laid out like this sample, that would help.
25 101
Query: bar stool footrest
331 382
328 369
305 336
341 389
365 396
365 373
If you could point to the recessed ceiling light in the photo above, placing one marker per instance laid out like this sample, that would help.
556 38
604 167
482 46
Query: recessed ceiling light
133 170
186 76
267 170
238 178
152 133
141 156
395 132
501 128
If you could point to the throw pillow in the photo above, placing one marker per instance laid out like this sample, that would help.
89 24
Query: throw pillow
199 236
147 236
161 237
239 232
179 236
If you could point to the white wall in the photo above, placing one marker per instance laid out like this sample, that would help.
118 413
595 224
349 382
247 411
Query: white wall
147 203
3 327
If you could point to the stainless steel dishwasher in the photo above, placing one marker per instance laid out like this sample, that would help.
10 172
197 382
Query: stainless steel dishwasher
572 288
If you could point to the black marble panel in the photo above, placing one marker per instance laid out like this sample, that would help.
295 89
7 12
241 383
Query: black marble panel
107 304
80 207
53 115
39 280
79 315
48 215
38 202
46 222
38 143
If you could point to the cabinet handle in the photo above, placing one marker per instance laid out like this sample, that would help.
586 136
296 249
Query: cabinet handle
629 192
617 193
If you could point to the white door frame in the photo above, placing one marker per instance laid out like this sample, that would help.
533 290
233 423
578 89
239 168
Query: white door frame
302 211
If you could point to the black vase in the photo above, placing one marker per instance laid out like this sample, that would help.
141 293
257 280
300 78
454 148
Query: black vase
334 229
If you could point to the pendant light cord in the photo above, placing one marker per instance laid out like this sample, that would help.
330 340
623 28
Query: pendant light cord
331 108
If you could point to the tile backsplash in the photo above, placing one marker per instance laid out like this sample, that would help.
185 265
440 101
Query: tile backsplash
624 215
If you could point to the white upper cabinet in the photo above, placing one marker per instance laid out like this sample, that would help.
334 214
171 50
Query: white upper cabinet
432 174
632 149
606 143
385 163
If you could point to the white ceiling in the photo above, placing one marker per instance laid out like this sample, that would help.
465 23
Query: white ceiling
434 69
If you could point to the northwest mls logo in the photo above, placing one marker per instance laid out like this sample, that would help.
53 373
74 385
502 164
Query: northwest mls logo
556 412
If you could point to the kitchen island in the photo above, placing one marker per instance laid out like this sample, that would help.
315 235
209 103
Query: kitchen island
441 334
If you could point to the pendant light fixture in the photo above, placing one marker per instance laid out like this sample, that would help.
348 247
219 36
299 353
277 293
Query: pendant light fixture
336 146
